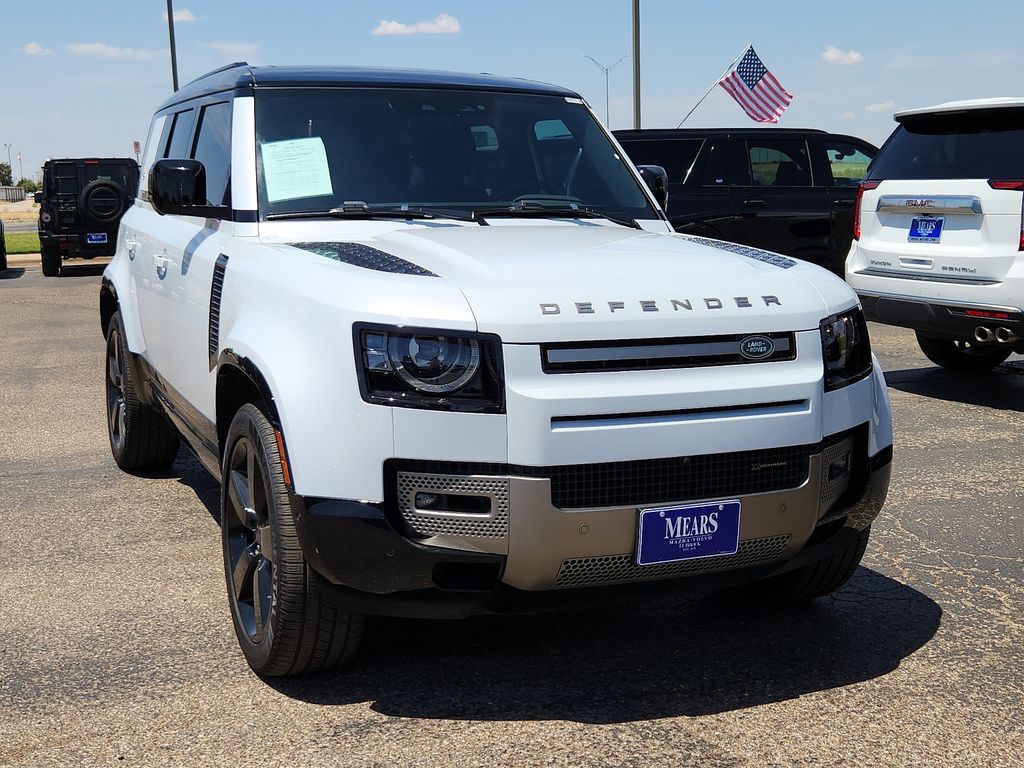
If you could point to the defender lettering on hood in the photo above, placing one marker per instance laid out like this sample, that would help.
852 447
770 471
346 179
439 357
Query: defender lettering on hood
651 305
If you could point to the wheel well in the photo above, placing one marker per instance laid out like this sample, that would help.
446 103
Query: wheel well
108 306
235 388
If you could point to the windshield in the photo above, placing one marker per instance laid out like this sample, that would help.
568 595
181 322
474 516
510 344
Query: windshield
459 150
978 144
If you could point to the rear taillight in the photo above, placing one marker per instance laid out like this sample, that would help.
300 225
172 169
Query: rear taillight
856 208
1012 185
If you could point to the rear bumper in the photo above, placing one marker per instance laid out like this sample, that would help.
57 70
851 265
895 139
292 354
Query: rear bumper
385 561
938 319
74 246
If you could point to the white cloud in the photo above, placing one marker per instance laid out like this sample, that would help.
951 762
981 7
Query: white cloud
104 51
442 25
233 51
848 115
882 106
181 16
35 49
833 55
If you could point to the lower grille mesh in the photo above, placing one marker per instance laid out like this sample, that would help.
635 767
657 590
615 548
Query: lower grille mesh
619 569
492 525
833 489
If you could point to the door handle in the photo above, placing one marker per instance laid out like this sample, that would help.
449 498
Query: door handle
843 203
132 245
755 203
161 263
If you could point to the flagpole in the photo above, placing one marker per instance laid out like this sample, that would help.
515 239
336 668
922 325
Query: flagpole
717 81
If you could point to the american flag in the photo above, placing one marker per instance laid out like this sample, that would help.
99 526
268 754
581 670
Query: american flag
756 89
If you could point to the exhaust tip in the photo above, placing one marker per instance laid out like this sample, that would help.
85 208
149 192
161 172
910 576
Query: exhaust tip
1005 335
983 334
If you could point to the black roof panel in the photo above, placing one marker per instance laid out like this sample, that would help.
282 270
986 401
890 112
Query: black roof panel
245 76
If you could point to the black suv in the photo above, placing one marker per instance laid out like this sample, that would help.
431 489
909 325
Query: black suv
787 190
81 204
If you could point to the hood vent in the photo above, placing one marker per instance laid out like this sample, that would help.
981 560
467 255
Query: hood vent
744 250
359 255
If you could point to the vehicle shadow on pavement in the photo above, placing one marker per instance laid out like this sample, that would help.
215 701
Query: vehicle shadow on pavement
696 656
1001 388
12 273
91 269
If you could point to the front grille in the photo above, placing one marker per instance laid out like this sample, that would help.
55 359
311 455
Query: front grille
652 481
494 524
657 354
619 569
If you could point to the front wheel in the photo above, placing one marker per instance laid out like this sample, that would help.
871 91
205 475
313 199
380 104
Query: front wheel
814 580
962 355
287 618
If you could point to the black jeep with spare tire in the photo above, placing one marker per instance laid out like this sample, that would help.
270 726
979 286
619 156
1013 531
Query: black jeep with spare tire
81 205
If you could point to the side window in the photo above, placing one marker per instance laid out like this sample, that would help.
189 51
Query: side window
718 171
181 130
847 162
157 139
213 150
676 156
779 163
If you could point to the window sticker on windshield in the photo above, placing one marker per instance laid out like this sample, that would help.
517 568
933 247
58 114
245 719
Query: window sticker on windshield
296 168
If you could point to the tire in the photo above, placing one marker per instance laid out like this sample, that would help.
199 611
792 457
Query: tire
51 263
814 580
287 618
962 355
3 251
141 438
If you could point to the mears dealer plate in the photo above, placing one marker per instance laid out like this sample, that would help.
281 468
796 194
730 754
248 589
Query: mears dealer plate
670 534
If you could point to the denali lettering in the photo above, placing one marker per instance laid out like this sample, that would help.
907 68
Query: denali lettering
651 305
682 527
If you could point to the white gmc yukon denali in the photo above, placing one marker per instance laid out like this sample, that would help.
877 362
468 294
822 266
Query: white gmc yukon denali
435 337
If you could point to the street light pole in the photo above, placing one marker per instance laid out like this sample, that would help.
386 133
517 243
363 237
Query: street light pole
606 70
174 53
636 64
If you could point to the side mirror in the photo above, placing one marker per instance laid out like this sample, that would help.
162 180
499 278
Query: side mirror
178 186
656 179
38 197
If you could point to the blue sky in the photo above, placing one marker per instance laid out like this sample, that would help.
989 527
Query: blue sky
83 78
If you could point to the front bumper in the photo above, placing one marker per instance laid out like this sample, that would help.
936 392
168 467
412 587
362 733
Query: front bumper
531 550
939 319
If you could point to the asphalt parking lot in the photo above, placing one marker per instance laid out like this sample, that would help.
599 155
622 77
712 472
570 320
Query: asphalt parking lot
116 647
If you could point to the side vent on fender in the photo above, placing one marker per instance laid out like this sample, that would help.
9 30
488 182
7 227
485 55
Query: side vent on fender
216 289
360 255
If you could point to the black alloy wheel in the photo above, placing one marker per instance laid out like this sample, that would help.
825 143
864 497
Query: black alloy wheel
248 538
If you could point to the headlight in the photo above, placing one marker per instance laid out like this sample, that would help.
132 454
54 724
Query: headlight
845 349
427 368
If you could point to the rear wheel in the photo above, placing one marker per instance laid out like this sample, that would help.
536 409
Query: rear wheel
287 618
815 580
962 355
3 252
51 263
140 436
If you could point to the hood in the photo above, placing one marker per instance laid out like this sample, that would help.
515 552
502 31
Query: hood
545 281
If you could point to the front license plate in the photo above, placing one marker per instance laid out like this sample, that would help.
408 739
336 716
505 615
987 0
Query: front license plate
669 534
96 238
927 229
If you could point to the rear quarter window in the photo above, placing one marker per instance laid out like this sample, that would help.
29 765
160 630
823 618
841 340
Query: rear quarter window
676 156
978 144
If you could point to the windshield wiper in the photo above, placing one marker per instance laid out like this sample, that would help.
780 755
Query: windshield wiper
535 209
360 210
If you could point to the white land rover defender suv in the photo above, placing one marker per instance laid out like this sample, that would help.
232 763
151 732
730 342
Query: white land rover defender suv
939 232
444 352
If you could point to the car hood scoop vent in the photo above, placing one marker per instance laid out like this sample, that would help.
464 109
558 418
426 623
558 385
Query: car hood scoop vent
360 255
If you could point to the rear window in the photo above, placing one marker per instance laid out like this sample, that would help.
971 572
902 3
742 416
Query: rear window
981 144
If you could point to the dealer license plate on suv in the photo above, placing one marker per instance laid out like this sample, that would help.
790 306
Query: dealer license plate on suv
670 534
96 238
926 229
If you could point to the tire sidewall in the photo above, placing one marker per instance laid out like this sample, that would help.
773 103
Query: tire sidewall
246 425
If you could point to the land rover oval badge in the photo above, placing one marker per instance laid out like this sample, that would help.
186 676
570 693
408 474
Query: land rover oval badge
756 347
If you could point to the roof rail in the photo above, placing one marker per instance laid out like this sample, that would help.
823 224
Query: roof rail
212 72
